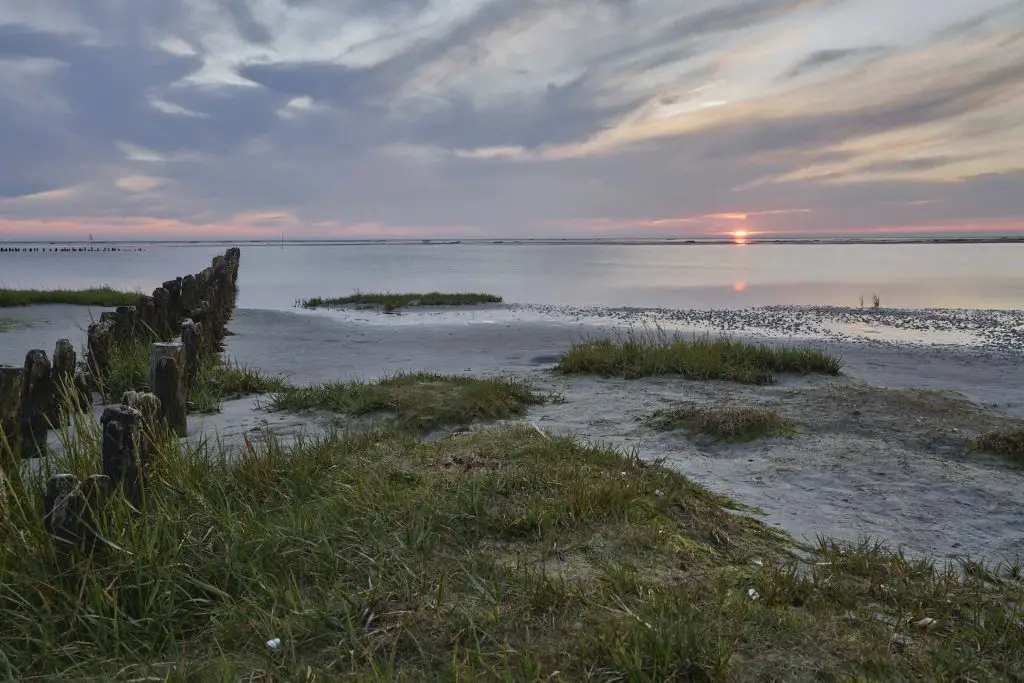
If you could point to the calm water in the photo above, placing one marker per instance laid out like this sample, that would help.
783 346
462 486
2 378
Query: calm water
720 276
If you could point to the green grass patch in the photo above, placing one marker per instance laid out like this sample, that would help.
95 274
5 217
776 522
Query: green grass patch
700 358
502 555
105 297
218 380
726 423
7 324
421 401
392 302
1008 443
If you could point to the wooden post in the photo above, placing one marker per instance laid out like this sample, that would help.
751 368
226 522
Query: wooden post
149 407
100 341
161 313
188 293
11 390
124 453
84 384
65 397
70 510
36 403
190 337
168 381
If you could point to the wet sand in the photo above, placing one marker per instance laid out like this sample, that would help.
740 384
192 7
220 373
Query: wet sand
867 461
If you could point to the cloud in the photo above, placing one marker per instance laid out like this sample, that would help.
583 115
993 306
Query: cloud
504 117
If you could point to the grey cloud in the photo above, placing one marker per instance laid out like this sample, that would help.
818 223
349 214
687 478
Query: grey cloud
245 22
821 58
811 133
1005 15
327 164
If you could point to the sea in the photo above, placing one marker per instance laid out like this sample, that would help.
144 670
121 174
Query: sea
678 275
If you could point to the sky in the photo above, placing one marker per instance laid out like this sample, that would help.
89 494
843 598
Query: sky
193 119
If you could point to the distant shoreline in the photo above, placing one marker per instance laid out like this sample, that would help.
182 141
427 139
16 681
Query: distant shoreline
569 241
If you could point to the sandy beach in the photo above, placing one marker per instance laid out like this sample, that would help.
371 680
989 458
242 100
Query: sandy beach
881 452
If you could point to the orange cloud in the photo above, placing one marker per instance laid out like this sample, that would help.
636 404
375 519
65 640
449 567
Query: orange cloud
47 195
138 183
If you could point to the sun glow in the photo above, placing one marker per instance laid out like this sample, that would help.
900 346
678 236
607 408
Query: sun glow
740 236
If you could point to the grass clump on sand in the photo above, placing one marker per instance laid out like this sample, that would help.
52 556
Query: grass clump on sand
218 380
105 297
500 555
1008 443
421 401
728 423
392 302
699 358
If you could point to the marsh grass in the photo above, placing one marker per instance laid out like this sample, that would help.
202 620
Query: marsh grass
105 297
501 555
723 422
636 355
7 324
218 380
1008 443
420 401
389 302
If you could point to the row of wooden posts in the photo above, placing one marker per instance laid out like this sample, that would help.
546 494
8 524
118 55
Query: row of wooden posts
184 321
64 250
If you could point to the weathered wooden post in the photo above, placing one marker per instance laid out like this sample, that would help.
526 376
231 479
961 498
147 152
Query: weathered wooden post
173 289
188 293
126 320
11 390
84 384
100 342
124 451
191 332
149 408
36 403
161 313
146 314
168 381
70 510
65 396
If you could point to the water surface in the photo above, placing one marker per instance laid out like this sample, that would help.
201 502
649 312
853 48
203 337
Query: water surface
670 276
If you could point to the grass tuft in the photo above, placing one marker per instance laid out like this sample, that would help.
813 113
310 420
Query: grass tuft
105 297
392 302
1008 443
700 358
421 401
218 380
728 423
500 555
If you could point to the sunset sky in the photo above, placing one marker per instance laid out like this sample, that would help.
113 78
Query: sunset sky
509 118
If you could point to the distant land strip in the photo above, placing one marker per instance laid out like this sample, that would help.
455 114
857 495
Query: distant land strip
577 241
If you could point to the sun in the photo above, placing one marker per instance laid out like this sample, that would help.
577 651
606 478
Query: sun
740 234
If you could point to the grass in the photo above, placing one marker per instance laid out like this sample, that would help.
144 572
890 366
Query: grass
700 358
7 324
727 423
1008 443
392 302
500 555
95 296
420 401
217 381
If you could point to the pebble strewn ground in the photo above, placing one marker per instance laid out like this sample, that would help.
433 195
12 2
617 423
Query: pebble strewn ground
996 331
